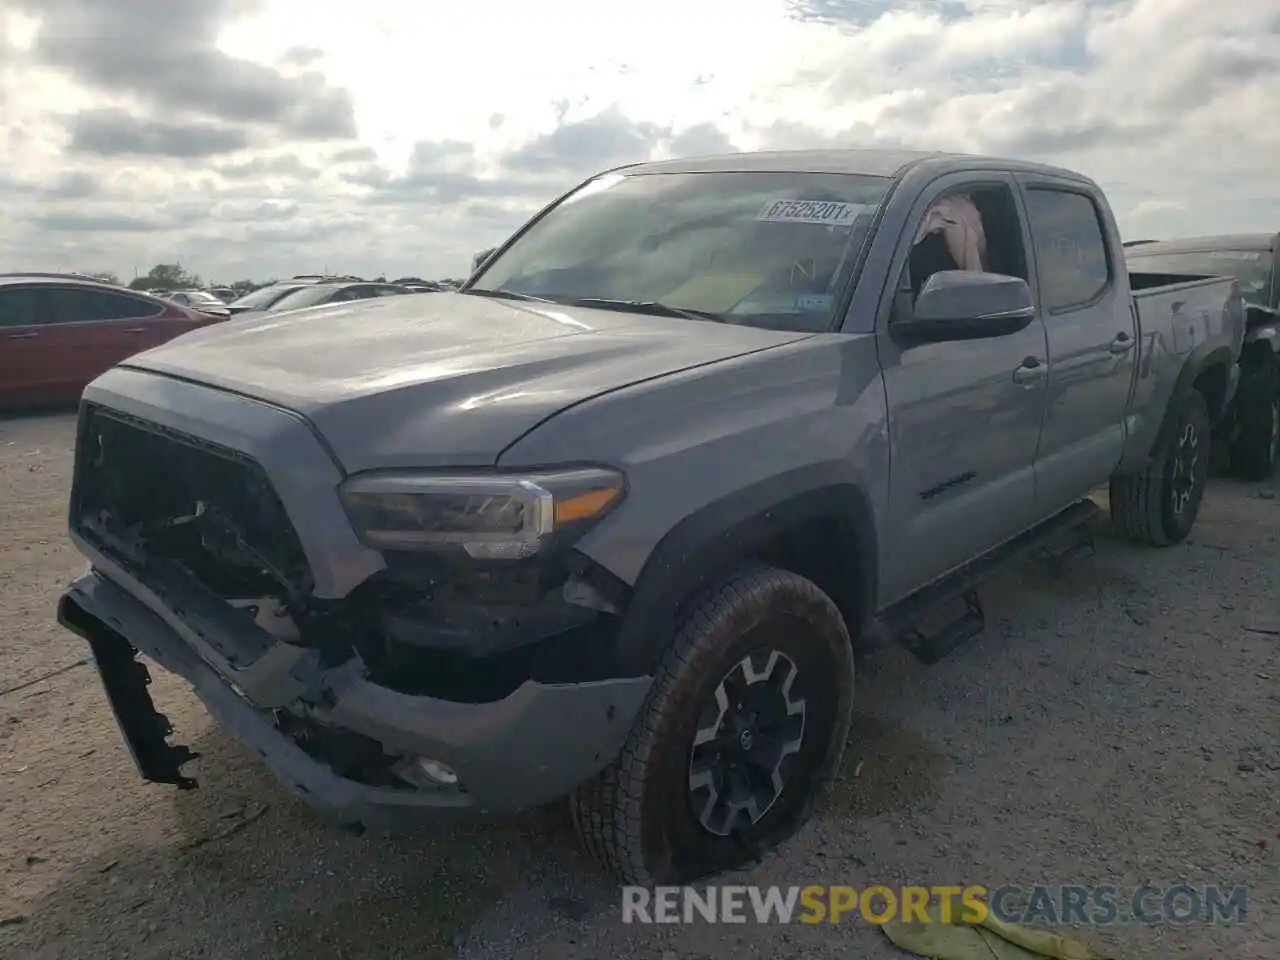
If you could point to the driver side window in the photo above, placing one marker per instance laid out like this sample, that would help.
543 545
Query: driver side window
969 228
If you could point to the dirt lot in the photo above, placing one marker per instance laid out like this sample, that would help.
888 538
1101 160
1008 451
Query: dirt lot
1118 726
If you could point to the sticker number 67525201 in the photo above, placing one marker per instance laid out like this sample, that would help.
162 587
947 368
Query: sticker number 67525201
828 213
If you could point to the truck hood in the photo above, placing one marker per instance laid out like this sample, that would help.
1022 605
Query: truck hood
450 379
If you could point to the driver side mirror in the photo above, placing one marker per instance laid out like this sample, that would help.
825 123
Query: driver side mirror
967 305
479 259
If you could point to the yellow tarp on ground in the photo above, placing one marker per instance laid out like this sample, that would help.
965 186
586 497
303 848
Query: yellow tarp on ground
989 940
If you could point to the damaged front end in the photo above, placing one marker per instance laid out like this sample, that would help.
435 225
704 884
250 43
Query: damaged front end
432 683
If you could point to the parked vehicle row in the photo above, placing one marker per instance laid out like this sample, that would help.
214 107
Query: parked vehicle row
299 292
291 296
59 331
613 520
1251 429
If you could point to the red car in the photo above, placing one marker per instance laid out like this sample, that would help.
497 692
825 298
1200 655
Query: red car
58 332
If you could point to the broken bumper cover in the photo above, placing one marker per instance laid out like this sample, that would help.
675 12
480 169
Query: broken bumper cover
516 753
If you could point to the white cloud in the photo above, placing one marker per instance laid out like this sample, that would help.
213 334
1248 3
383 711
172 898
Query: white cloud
232 150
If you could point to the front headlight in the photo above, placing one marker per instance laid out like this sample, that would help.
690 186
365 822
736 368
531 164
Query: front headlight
490 516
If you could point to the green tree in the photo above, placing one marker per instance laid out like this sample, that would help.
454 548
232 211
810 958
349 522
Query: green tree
241 287
166 276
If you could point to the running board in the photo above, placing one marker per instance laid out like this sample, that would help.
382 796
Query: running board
903 620
932 647
1081 546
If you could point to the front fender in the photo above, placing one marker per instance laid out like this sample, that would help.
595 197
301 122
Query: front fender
714 455
737 526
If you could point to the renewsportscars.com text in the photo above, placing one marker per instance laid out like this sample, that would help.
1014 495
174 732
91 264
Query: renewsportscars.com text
815 904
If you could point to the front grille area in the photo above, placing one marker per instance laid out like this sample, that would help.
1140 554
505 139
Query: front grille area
143 491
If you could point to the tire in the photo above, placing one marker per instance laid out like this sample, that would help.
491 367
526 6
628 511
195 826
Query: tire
652 817
1158 507
1257 442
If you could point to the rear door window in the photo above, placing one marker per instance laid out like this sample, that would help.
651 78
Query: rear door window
1070 247
21 306
78 305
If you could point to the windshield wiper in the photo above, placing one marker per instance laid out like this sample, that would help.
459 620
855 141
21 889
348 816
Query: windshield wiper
651 307
506 295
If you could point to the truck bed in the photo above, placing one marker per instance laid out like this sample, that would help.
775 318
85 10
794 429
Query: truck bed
1190 309
1175 314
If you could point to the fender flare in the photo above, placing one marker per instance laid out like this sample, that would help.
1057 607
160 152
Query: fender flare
711 539
1202 358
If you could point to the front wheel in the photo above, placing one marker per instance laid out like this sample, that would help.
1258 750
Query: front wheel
1159 506
746 721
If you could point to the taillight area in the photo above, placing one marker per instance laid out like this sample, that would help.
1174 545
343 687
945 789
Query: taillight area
174 312
193 317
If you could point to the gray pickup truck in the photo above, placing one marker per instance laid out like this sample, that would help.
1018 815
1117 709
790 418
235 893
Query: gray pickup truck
613 521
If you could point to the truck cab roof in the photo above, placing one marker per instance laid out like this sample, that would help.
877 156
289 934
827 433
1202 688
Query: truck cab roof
882 162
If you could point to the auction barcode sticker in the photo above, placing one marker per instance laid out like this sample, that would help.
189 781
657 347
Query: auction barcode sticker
825 212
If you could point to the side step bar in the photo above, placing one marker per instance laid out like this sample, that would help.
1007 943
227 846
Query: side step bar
902 620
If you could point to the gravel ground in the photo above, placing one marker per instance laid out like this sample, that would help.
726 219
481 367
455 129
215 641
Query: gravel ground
1120 725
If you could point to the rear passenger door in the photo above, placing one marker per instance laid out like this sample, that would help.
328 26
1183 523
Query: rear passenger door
1092 337
96 329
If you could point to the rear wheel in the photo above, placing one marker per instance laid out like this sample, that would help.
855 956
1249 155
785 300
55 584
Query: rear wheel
1257 442
1159 506
746 721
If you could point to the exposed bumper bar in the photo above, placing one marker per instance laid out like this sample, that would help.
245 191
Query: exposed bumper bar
531 747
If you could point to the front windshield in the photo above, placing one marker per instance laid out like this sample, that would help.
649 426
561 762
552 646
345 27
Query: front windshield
199 297
1251 267
759 248
303 297
261 299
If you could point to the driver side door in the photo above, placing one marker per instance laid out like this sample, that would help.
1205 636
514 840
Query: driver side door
964 416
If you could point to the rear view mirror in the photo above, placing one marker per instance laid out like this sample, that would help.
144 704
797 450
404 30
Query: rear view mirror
967 305
479 259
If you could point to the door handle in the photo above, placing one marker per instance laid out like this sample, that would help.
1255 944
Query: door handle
1123 343
1029 371
135 329
23 336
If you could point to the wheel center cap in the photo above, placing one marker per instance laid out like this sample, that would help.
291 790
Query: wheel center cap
746 739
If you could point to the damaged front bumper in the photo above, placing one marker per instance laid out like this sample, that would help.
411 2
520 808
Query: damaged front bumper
376 680
527 749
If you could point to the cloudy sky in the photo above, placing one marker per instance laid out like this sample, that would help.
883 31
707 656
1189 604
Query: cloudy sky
270 137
